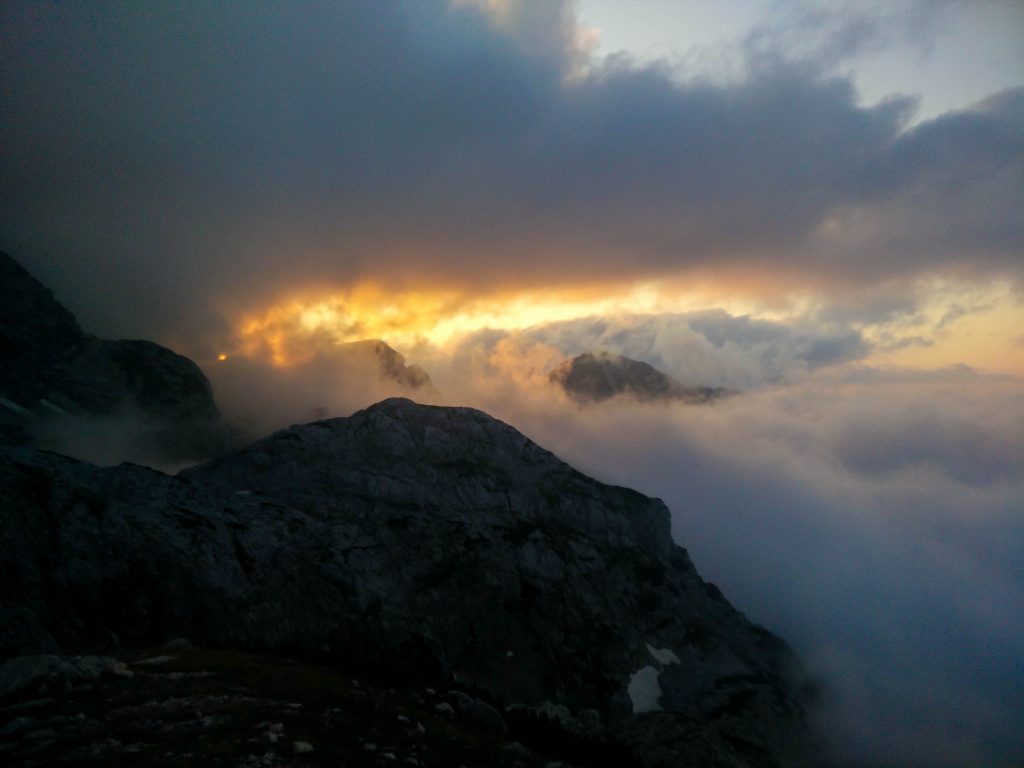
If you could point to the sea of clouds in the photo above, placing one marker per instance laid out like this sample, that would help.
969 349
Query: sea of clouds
873 518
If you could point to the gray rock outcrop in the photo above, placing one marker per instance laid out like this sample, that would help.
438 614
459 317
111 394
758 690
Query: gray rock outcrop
596 376
425 542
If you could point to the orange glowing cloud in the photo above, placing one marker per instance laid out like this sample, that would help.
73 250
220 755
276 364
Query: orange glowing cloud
938 332
297 328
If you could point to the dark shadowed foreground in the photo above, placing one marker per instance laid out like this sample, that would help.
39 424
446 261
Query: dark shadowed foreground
180 705
423 544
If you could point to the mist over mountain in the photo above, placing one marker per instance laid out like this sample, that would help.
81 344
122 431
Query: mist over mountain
841 475
592 377
64 389
391 364
334 380
133 400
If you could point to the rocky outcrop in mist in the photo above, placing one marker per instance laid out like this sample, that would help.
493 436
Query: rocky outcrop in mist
259 397
428 543
390 364
596 376
59 385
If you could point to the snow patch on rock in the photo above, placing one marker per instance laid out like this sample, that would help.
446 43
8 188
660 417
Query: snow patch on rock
664 656
644 690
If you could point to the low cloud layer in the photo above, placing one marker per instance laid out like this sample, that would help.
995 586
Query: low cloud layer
872 520
231 153
710 348
258 398
870 517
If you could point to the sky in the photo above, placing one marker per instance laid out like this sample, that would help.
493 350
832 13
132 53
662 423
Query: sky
819 205
943 53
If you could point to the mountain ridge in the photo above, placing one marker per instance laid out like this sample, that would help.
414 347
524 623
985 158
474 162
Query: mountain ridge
486 561
54 375
416 542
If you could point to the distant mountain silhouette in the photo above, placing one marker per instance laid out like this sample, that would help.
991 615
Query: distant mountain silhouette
596 376
52 372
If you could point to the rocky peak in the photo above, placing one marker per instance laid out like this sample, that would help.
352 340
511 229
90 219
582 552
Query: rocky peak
596 376
339 379
459 463
57 382
34 329
437 544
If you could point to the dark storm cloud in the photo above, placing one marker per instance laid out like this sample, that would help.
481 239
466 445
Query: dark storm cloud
952 186
228 152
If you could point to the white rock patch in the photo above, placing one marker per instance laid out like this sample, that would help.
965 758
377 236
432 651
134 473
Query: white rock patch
664 656
644 690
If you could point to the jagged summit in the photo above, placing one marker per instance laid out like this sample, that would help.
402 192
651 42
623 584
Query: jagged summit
596 376
337 380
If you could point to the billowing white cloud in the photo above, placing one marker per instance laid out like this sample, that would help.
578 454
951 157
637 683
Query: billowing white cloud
871 519
707 348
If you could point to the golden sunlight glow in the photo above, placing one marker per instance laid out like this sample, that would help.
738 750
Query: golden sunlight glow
982 327
298 328
222 357
952 323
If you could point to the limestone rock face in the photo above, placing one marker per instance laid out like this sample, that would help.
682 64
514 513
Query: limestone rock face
595 376
55 380
430 543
